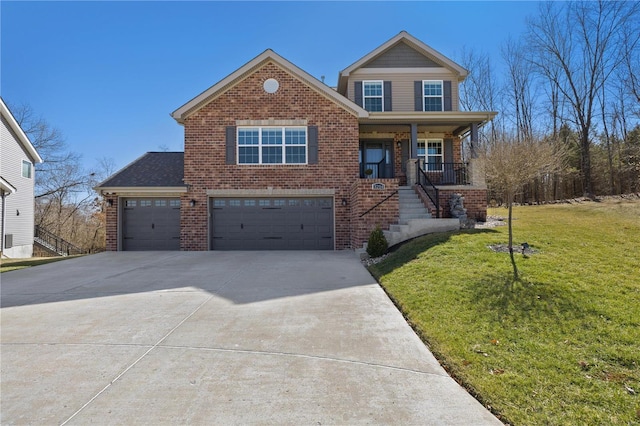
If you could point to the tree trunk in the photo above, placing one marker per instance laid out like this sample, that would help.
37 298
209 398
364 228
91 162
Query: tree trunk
510 221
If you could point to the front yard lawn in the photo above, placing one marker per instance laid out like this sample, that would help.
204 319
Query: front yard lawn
560 346
7 265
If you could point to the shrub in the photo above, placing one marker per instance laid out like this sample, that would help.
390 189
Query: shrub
377 244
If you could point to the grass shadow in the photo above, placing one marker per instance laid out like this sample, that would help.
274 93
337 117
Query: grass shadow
405 252
506 299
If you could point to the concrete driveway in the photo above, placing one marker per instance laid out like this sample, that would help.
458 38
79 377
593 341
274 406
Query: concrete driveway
216 338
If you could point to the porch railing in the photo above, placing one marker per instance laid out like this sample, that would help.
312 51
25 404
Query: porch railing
447 173
55 243
430 189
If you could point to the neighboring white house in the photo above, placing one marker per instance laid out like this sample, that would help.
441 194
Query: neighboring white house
17 177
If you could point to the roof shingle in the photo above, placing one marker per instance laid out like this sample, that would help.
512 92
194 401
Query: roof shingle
153 169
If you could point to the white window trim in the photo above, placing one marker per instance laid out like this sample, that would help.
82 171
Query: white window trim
426 155
364 98
284 145
433 96
30 169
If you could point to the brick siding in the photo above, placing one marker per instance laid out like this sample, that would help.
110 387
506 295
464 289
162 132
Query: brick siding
363 197
111 231
204 155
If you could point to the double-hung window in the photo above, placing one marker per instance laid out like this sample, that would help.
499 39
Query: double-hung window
27 169
432 95
373 96
272 145
430 151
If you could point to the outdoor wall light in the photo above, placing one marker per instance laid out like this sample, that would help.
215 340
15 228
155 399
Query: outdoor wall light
110 202
192 203
344 202
17 212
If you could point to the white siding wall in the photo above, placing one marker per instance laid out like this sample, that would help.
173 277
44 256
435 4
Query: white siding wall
21 226
402 96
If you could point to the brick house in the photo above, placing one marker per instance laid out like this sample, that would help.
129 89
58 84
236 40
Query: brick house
275 159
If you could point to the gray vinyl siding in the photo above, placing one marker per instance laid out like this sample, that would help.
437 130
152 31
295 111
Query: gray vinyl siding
402 97
401 56
21 226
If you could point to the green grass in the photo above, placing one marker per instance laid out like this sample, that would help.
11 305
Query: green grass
560 346
7 265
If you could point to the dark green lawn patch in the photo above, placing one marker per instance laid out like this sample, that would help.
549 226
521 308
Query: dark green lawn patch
559 346
14 264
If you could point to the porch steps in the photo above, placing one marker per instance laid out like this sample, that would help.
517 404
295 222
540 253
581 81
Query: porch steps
415 220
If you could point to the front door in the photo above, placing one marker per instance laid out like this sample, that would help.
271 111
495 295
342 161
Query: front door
376 159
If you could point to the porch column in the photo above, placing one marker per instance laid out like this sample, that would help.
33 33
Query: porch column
414 140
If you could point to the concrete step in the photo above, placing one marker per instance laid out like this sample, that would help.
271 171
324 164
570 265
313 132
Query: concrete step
413 210
417 227
398 228
402 220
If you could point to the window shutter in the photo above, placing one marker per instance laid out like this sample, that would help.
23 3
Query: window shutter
230 145
357 92
312 143
448 150
446 92
387 95
449 175
417 95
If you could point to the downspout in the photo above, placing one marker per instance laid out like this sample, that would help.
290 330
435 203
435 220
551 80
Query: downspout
3 194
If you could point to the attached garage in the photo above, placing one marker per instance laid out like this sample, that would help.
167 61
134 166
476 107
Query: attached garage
151 224
272 223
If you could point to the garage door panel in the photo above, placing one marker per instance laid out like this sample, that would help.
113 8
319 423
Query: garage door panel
272 224
151 224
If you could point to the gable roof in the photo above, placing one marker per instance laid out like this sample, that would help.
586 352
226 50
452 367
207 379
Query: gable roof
403 37
244 71
153 169
22 137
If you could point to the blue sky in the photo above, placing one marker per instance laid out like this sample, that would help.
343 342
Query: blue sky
108 74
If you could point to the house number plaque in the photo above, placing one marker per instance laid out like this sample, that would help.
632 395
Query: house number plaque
378 186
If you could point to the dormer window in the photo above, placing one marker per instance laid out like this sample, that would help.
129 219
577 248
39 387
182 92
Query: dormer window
432 95
373 95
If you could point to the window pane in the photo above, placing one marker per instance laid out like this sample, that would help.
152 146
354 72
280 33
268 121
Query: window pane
433 88
219 203
296 155
130 203
174 203
160 203
248 137
433 104
248 155
272 136
26 169
271 154
372 88
373 104
295 136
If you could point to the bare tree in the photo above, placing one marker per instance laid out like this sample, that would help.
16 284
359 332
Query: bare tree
50 144
511 162
480 90
519 89
65 202
583 40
